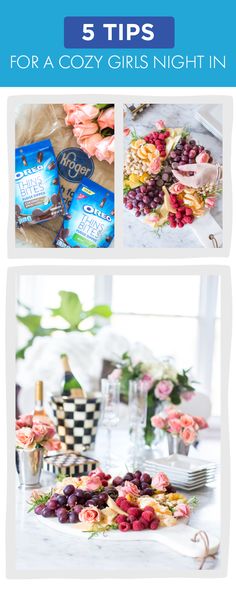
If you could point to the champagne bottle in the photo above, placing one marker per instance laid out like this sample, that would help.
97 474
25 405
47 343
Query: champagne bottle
38 404
71 387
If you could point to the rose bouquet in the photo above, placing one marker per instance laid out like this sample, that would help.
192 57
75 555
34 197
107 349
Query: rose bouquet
178 424
163 383
150 187
93 127
36 432
96 503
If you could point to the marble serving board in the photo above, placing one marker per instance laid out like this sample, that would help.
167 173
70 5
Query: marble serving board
177 538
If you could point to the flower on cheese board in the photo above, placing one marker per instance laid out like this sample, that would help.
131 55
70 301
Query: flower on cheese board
152 165
154 504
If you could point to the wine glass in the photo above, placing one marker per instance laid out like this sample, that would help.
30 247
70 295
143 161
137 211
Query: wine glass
137 418
109 412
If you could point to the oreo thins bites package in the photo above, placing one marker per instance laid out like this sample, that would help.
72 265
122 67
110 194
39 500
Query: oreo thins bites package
90 218
37 187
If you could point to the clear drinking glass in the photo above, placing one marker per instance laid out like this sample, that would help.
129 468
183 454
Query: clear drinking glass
109 413
137 419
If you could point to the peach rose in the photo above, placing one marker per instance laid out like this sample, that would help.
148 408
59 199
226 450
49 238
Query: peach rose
176 188
24 421
126 131
81 114
173 413
85 130
89 515
160 481
155 166
90 144
128 489
174 426
187 420
188 435
25 438
202 158
106 118
182 510
210 202
201 422
96 472
160 125
105 150
52 445
158 421
93 483
40 432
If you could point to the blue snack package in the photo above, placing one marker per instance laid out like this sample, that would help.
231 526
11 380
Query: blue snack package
37 187
90 218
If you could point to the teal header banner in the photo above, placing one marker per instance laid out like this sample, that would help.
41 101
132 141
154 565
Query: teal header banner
58 44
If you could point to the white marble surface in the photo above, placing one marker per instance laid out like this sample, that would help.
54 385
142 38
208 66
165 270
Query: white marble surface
136 233
40 550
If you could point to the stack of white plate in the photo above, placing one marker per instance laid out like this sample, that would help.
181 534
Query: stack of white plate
183 471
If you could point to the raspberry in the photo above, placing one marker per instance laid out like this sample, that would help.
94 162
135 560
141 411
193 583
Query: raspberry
148 516
144 522
131 518
119 500
154 524
125 505
138 525
149 508
104 483
124 527
135 511
188 211
120 519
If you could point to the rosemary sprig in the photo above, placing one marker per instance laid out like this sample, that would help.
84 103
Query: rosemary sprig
193 501
34 501
102 530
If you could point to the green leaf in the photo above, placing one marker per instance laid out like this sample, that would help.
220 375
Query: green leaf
99 310
70 308
175 396
32 322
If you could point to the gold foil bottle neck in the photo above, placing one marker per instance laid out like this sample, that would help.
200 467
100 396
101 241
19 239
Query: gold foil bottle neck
39 391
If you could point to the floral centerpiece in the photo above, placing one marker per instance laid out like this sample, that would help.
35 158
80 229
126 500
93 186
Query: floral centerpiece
93 127
96 503
36 432
35 435
180 426
163 383
150 186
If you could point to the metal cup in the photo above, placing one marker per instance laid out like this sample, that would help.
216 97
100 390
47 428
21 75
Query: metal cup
176 445
29 465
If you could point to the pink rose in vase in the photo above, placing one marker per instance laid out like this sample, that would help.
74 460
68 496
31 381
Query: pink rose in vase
52 445
163 389
158 421
174 426
187 421
188 435
201 422
25 438
40 432
147 382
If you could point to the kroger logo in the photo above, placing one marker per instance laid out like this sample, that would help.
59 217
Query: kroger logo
73 163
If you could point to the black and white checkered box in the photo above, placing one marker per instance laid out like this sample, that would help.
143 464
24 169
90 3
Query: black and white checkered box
69 464
76 421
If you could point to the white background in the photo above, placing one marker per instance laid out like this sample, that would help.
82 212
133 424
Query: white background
5 263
